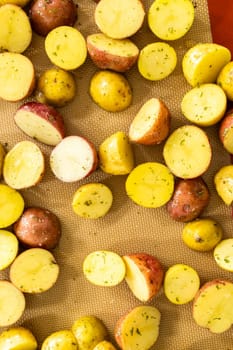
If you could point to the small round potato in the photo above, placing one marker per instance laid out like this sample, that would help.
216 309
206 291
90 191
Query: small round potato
18 338
38 228
56 87
202 234
89 331
46 15
104 345
189 199
110 91
60 340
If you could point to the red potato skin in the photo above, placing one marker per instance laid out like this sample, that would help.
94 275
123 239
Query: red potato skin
118 330
38 228
46 112
160 130
46 15
151 268
190 198
104 60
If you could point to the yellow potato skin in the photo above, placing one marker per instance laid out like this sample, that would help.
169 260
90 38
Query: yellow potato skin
225 80
202 234
18 338
20 3
56 87
116 154
110 91
104 345
60 340
89 331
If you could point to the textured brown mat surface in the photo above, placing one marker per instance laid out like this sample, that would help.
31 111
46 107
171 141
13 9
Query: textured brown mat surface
127 228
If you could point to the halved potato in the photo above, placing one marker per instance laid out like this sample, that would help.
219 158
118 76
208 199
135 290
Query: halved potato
66 47
213 306
138 329
104 268
223 254
203 62
17 76
223 181
187 152
181 283
16 32
156 61
23 165
119 19
34 271
92 200
8 248
11 205
61 340
151 125
150 184
172 19
107 53
226 131
18 338
204 105
12 304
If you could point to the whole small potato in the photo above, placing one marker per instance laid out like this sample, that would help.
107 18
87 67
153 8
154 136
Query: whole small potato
89 331
38 228
202 234
46 15
189 199
56 87
110 91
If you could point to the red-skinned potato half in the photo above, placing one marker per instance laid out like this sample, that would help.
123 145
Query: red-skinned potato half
41 122
38 228
107 53
151 125
46 15
73 159
226 131
190 198
144 275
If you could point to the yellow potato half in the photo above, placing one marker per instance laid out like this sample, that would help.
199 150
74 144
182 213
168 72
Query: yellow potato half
11 205
18 338
223 254
224 183
225 79
60 340
203 62
8 248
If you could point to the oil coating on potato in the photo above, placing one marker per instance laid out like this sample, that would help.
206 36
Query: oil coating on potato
189 199
38 227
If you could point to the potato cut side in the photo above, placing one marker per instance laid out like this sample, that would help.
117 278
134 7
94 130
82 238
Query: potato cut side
19 338
73 159
139 329
181 283
204 105
107 53
116 154
187 152
11 205
41 122
144 275
17 76
104 268
157 61
170 20
151 124
16 32
34 271
202 63
223 254
92 200
23 165
12 304
150 185
223 181
213 306
119 19
66 47
8 248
